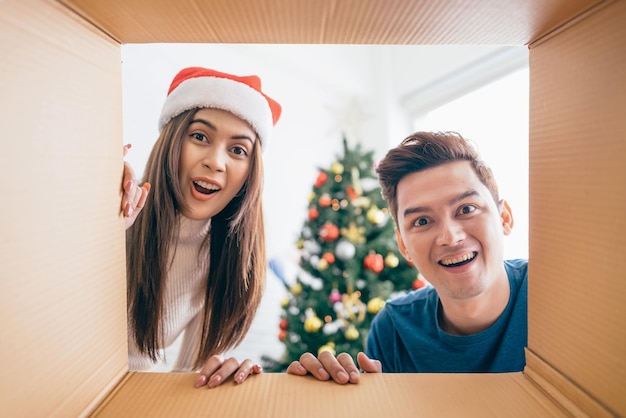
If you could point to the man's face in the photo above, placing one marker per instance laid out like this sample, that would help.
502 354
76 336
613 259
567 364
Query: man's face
452 229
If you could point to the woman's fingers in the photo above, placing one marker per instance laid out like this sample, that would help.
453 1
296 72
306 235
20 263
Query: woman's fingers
216 371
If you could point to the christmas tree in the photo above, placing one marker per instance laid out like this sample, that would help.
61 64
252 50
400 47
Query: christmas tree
349 263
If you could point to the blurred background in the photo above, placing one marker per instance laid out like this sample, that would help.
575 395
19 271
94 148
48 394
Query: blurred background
374 96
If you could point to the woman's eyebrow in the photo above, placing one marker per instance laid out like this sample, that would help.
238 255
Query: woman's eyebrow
214 128
204 122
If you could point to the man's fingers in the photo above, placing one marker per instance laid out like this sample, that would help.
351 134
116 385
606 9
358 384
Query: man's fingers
333 367
368 365
297 368
313 365
348 365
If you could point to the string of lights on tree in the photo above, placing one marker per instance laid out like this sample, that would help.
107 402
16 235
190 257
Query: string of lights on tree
349 263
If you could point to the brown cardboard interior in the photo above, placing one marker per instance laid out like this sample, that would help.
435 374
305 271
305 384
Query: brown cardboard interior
285 396
63 289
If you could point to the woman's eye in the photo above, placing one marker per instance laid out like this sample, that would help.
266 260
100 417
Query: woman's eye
240 151
198 136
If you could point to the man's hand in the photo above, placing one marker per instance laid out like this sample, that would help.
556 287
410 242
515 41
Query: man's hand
340 369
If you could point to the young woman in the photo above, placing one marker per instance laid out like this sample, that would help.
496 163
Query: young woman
194 229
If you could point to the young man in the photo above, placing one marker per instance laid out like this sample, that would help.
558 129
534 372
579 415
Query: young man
451 223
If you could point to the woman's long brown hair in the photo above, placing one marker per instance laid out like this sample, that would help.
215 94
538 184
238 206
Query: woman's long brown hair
237 269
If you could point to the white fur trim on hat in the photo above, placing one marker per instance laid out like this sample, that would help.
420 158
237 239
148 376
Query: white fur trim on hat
220 93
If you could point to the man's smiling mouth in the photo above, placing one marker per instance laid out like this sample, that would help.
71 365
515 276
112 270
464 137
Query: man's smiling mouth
458 261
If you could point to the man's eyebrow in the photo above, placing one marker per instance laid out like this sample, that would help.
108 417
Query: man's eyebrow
214 128
462 196
451 202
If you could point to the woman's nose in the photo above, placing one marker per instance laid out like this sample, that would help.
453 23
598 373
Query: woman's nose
215 159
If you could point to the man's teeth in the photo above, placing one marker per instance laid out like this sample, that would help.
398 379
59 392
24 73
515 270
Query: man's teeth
457 260
205 185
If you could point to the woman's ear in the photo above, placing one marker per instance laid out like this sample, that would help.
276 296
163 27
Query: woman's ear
506 216
401 246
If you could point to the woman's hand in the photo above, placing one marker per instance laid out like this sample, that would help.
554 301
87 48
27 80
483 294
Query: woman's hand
216 370
340 369
133 195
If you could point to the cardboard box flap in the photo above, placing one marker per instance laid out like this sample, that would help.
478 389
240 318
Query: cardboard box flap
329 22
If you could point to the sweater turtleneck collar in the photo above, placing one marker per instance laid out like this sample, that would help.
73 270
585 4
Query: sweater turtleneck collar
192 230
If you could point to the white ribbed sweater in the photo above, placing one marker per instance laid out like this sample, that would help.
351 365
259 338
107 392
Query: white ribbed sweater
185 288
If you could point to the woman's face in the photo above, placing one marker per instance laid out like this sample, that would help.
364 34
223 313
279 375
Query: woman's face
214 161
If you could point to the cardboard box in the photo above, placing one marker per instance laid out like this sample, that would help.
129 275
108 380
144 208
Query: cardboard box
62 292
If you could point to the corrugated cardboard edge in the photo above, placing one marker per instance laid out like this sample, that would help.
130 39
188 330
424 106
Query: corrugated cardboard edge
593 9
561 390
103 398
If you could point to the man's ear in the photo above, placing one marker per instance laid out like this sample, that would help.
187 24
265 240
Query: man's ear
401 245
506 216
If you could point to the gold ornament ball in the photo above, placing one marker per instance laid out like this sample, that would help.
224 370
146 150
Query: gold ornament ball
336 168
284 302
327 347
322 264
375 305
352 333
296 289
375 215
313 324
391 260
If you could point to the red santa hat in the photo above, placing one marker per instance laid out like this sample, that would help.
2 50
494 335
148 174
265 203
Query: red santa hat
197 87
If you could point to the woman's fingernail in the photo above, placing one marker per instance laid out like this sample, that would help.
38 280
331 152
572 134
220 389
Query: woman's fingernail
128 186
239 378
342 377
201 381
215 380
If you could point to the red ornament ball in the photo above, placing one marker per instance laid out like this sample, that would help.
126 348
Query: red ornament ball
374 262
283 324
418 284
328 232
322 177
324 201
329 257
313 214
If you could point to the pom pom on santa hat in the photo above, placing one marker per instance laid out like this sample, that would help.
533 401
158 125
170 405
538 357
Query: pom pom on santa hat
197 87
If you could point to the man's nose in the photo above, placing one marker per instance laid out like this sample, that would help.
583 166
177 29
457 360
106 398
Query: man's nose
451 233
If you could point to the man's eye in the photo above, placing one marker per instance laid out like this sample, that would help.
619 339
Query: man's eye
421 222
467 209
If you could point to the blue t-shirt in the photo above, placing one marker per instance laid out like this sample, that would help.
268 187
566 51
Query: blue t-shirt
405 335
